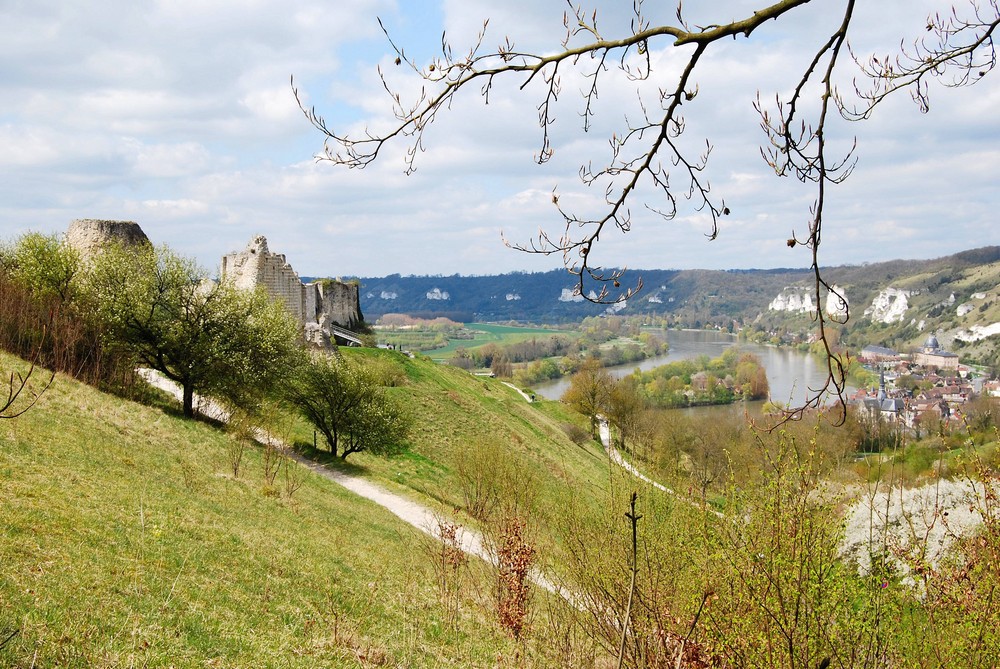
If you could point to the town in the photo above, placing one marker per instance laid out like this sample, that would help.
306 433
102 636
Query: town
927 387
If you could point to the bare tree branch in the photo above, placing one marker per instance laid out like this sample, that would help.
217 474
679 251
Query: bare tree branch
803 153
646 153
20 396
959 51
649 152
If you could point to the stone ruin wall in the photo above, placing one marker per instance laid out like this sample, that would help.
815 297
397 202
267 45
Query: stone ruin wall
316 305
90 236
337 302
257 266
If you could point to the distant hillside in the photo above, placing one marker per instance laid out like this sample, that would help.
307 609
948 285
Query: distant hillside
900 303
547 297
895 303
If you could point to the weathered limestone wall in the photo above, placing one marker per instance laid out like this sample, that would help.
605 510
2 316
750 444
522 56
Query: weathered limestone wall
90 236
257 266
316 305
336 302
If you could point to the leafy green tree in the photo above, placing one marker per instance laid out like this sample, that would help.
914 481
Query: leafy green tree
346 402
588 391
208 337
751 375
625 408
44 264
380 427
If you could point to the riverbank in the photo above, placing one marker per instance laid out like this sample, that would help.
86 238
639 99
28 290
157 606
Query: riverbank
791 374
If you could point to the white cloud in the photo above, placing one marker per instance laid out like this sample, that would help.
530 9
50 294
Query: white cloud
167 160
27 146
180 116
172 208
272 105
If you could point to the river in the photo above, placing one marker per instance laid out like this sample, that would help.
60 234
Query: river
790 373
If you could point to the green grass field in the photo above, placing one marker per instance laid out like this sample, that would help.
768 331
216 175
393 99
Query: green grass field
486 333
128 541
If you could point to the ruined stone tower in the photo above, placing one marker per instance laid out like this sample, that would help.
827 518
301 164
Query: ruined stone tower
257 266
318 305
90 236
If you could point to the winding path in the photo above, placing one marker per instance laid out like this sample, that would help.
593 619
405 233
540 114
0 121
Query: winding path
616 457
410 512
526 396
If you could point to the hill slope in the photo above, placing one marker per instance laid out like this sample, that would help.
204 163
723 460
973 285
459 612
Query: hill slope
546 297
895 303
128 541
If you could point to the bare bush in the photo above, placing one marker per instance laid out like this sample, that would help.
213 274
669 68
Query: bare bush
514 560
448 561
293 476
20 396
57 336
576 434
241 430
493 477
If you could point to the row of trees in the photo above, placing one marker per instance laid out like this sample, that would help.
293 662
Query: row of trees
550 357
593 392
146 306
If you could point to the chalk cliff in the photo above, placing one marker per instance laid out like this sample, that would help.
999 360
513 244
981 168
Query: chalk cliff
889 306
799 301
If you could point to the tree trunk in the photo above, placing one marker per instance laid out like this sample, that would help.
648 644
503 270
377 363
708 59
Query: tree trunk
188 400
331 440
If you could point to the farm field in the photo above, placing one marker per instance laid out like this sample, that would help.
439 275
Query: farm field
472 336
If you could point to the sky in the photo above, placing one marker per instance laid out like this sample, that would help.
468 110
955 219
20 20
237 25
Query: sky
179 115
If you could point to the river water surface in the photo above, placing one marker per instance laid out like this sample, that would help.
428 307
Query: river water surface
790 373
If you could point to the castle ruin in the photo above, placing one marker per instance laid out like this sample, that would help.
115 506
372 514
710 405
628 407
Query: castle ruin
90 236
320 306
317 305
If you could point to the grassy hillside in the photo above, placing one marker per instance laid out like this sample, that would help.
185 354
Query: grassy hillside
947 299
474 428
128 541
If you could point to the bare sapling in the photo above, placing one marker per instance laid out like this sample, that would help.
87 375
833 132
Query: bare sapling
514 560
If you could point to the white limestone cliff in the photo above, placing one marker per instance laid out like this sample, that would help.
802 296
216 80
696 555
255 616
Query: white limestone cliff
837 303
570 295
793 300
978 332
889 306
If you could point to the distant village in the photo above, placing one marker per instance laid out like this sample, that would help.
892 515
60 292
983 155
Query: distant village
927 386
